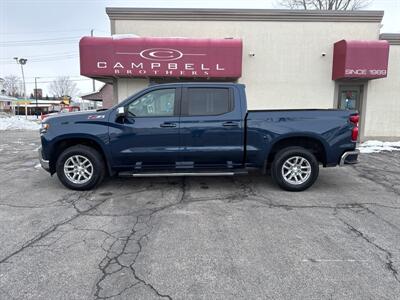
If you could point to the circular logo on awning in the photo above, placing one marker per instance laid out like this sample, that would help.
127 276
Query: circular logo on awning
161 54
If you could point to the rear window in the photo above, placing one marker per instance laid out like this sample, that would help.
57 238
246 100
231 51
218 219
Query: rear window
208 101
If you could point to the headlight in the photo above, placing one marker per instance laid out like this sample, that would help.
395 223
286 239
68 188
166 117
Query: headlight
44 127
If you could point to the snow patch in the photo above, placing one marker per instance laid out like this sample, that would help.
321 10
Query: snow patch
17 123
378 146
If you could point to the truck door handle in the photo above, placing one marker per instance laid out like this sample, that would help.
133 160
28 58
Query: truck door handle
230 124
167 124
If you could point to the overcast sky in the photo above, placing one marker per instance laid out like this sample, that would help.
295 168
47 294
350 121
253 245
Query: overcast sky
46 32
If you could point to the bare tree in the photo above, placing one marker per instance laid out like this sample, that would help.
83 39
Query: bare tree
63 86
326 4
12 85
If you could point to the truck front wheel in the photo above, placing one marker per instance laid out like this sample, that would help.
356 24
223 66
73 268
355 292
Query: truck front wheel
80 168
295 169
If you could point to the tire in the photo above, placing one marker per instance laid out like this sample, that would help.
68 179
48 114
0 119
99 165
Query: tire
78 159
288 161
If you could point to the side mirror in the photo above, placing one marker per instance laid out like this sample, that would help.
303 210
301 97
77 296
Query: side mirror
121 112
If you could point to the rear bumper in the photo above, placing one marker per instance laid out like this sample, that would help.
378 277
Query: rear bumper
44 163
349 158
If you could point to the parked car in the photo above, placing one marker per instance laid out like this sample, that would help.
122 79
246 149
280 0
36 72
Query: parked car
65 109
196 129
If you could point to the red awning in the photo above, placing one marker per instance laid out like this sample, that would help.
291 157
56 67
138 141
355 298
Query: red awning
360 59
160 57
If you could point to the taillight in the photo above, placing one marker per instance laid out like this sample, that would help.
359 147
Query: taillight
354 134
354 119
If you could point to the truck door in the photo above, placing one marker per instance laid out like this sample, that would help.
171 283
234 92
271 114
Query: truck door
148 137
211 128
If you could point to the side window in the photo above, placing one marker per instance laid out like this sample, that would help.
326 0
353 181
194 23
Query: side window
154 104
208 101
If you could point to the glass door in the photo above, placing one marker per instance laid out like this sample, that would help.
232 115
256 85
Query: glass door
350 97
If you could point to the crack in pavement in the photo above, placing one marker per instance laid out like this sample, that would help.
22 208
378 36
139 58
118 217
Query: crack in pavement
137 236
374 175
388 255
112 258
114 263
48 205
247 193
51 229
380 218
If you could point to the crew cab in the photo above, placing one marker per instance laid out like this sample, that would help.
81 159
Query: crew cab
196 129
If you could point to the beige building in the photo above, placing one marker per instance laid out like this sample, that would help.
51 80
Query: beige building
287 57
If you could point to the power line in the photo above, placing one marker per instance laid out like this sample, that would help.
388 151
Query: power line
70 76
44 40
50 31
45 59
48 55
78 77
41 44
30 82
53 59
48 42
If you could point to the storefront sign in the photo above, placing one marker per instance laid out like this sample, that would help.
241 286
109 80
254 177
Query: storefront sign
160 57
360 59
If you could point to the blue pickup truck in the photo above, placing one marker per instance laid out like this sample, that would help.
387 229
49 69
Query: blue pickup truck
196 129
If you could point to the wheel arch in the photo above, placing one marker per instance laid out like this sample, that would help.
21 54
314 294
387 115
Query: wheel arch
309 142
68 141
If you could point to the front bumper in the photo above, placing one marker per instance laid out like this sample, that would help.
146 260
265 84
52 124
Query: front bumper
44 163
349 158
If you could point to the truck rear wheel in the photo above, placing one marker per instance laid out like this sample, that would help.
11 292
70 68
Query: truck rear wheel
295 169
80 168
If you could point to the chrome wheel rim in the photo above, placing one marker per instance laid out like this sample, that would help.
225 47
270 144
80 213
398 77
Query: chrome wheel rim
78 169
296 170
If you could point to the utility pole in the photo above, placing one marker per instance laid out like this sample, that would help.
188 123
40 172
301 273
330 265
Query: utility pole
22 62
94 84
36 92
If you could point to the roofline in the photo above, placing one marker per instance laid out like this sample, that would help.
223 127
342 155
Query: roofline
392 38
208 14
95 92
7 98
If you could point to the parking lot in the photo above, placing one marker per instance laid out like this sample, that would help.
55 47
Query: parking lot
198 238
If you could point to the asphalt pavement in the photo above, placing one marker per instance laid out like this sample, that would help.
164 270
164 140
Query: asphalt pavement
198 238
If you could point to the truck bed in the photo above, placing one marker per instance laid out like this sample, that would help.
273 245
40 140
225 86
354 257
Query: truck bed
329 127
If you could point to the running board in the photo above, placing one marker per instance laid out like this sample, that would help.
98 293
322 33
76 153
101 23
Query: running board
177 174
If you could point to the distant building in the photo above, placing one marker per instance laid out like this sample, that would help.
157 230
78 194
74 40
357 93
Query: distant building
39 93
104 95
6 103
30 107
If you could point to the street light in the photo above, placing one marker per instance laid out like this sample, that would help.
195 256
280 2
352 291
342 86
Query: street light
22 62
